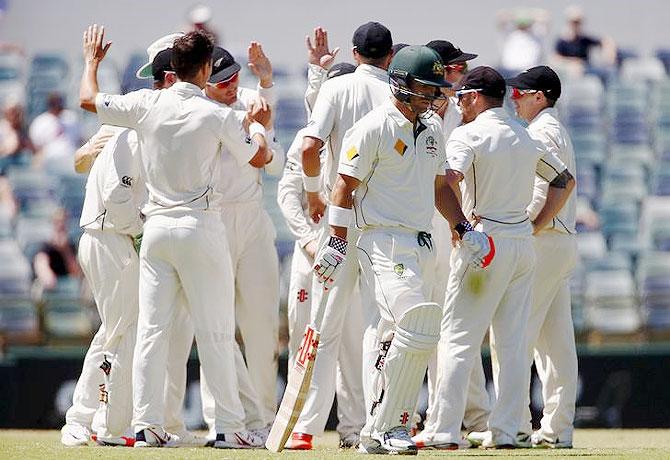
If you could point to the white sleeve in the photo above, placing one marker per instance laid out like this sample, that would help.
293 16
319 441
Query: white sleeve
316 75
460 155
540 189
359 150
117 194
233 136
124 110
276 164
289 197
322 120
549 165
442 164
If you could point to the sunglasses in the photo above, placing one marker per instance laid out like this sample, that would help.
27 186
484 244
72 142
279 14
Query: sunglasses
519 93
462 92
461 67
227 82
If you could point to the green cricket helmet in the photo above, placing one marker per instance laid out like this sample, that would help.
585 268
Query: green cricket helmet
415 63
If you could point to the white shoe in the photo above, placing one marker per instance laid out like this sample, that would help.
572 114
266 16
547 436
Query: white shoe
186 439
493 440
538 441
523 440
263 433
396 441
476 438
122 441
75 435
238 440
154 436
428 441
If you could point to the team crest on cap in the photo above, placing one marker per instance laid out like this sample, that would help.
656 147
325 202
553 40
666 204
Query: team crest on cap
400 147
438 68
352 153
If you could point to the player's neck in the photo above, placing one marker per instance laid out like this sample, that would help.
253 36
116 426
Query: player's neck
405 110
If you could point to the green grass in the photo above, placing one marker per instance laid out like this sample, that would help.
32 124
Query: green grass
621 444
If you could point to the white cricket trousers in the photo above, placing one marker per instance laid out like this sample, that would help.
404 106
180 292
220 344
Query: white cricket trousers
339 362
551 336
478 405
299 299
111 267
186 250
498 296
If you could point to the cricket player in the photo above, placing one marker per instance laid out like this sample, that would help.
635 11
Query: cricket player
550 331
120 158
341 102
180 134
290 197
393 163
496 159
478 405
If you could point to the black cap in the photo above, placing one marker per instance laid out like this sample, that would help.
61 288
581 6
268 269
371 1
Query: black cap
223 65
398 46
162 63
340 68
449 53
373 40
540 78
486 79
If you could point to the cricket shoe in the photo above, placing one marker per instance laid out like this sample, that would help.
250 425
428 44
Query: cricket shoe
427 441
185 438
523 440
112 441
153 436
538 441
74 435
395 441
490 440
349 441
299 441
263 433
238 440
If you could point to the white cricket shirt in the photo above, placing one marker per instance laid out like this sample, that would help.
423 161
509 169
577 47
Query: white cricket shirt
396 164
180 133
343 101
499 159
546 127
114 189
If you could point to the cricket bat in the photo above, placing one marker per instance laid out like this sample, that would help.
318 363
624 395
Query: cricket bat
299 380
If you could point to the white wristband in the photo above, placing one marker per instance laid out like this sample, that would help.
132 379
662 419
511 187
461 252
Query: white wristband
311 183
257 128
339 217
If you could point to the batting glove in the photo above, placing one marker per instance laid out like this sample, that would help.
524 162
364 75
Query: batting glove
478 243
329 259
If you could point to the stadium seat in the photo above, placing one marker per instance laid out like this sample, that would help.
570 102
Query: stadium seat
66 316
653 278
610 305
649 69
591 245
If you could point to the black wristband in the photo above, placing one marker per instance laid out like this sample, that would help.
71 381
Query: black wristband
463 227
338 243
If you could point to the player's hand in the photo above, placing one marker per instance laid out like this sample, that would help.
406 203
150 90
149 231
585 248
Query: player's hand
481 246
318 53
98 142
329 259
311 248
261 112
94 50
259 64
317 206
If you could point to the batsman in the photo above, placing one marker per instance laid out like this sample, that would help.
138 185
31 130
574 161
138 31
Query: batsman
392 173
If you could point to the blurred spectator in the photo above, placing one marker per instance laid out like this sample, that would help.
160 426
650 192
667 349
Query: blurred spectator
523 47
57 257
8 204
574 47
56 134
199 17
15 145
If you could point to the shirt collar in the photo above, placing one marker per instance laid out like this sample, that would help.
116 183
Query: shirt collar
495 112
396 115
376 72
549 111
185 87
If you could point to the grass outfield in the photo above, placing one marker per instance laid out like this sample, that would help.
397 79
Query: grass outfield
623 444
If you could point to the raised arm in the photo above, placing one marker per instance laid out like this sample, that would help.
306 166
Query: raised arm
94 53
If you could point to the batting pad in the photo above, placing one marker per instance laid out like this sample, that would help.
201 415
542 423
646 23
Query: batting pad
416 336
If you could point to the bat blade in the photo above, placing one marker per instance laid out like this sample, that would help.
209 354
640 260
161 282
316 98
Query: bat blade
299 380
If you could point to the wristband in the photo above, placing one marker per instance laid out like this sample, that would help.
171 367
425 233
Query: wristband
311 183
257 128
338 243
339 217
463 227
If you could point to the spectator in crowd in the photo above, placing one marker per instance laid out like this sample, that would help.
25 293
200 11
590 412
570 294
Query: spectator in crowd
56 134
199 17
574 47
525 34
8 204
57 257
15 145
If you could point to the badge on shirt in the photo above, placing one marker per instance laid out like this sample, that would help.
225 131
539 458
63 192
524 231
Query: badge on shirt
400 147
107 100
431 146
127 181
352 153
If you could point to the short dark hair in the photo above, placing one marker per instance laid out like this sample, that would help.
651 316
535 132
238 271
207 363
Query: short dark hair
492 101
376 62
190 53
550 102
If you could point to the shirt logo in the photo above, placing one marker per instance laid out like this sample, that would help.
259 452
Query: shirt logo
217 63
352 153
127 181
107 100
431 146
400 147
302 295
399 269
247 140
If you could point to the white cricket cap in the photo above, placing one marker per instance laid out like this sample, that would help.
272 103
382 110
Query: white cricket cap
156 47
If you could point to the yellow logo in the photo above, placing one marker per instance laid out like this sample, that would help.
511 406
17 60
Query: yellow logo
352 153
438 68
399 269
400 147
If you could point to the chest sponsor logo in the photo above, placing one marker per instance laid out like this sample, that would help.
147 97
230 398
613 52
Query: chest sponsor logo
400 147
431 146
352 153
